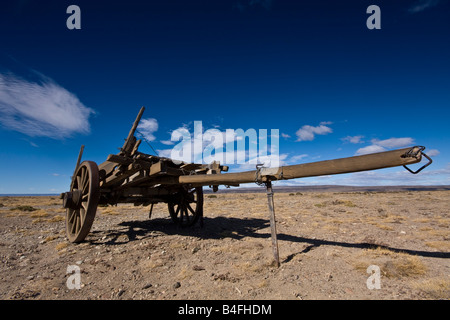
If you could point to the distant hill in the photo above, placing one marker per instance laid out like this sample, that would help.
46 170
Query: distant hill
29 195
293 189
333 188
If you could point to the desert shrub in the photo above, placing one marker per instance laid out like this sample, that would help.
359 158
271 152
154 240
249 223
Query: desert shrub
24 208
346 203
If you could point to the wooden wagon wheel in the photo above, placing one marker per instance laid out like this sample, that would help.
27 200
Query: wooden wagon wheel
187 206
81 202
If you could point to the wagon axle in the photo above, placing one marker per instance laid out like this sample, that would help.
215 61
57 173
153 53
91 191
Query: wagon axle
72 199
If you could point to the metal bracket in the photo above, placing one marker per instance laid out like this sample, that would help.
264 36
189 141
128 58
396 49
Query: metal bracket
151 210
423 167
258 177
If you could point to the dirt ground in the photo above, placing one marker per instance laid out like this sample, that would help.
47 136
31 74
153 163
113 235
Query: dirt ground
333 245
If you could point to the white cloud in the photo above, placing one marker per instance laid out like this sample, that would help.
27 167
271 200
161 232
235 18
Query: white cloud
167 142
370 149
164 152
353 139
384 177
307 132
397 176
383 145
296 159
422 5
41 108
433 152
393 142
147 127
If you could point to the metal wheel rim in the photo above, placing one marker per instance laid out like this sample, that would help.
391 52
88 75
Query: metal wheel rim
79 221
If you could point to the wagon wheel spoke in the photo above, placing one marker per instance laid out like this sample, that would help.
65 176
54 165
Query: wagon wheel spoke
190 208
186 214
78 224
85 186
74 224
80 178
83 211
78 182
71 215
181 216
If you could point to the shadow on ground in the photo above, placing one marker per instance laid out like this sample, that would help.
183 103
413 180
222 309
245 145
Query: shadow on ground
236 228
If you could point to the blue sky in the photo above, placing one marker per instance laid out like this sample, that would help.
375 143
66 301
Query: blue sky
313 70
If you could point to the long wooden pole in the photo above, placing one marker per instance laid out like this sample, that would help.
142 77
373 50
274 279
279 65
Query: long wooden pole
131 140
367 162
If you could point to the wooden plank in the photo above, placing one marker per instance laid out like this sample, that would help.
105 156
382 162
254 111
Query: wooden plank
118 177
106 169
157 168
118 159
136 146
174 171
191 166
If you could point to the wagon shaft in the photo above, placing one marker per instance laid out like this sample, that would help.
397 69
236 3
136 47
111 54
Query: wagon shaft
401 157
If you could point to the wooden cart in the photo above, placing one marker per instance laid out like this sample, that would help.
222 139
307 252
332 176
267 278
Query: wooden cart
142 179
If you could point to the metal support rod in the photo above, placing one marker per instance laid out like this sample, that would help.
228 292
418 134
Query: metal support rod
273 228
151 210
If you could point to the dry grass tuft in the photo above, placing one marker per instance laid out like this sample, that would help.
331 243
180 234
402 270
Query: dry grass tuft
56 218
392 264
434 288
109 211
337 202
24 208
50 238
61 246
439 245
185 273
39 214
